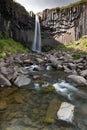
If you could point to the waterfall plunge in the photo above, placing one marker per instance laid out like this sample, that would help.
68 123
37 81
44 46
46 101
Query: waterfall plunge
37 36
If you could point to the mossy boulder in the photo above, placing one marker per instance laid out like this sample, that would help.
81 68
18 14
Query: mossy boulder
47 89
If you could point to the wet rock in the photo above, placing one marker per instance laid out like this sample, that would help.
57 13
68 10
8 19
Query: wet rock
22 80
51 111
72 66
66 69
36 77
55 63
67 57
79 60
83 73
2 63
39 60
78 80
4 81
3 104
19 98
66 112
4 70
49 67
20 128
35 68
24 70
15 75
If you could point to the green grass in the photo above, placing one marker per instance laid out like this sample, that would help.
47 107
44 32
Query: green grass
9 45
76 49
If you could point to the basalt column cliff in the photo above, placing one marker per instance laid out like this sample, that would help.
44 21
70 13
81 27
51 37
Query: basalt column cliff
16 22
64 24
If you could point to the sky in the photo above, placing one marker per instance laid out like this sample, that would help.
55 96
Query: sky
39 5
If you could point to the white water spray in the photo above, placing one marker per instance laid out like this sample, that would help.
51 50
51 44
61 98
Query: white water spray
37 36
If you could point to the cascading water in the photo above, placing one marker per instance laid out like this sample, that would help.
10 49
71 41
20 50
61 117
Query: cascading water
37 36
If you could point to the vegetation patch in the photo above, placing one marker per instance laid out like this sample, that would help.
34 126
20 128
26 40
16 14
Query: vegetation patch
9 45
49 120
76 56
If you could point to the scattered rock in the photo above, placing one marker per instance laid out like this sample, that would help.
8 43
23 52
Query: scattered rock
66 112
83 73
49 67
72 66
78 80
55 63
4 81
67 57
22 80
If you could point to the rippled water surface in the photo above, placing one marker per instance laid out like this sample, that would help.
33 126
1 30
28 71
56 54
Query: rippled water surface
33 107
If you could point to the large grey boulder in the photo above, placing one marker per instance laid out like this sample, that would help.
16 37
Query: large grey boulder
78 80
66 112
22 80
4 81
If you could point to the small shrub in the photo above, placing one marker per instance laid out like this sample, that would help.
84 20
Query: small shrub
76 56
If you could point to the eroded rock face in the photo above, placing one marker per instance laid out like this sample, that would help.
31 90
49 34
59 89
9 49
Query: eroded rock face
65 25
16 22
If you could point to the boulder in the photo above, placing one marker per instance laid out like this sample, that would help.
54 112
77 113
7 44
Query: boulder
83 73
22 80
66 112
72 66
67 57
55 62
4 81
78 80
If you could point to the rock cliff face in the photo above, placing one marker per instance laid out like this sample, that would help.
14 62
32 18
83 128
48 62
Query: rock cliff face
16 22
65 24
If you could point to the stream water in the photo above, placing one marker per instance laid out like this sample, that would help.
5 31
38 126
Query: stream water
32 108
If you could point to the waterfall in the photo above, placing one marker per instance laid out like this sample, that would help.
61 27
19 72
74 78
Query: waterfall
37 36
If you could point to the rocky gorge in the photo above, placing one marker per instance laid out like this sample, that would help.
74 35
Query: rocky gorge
46 90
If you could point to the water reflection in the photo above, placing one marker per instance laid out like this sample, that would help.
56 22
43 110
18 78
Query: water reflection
26 108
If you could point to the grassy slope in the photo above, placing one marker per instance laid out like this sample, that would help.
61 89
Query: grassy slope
9 45
79 45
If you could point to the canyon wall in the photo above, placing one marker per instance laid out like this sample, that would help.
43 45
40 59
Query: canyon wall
59 25
16 22
64 24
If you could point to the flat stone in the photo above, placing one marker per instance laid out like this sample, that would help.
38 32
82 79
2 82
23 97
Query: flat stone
66 112
22 80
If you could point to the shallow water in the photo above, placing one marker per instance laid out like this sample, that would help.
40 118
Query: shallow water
31 108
